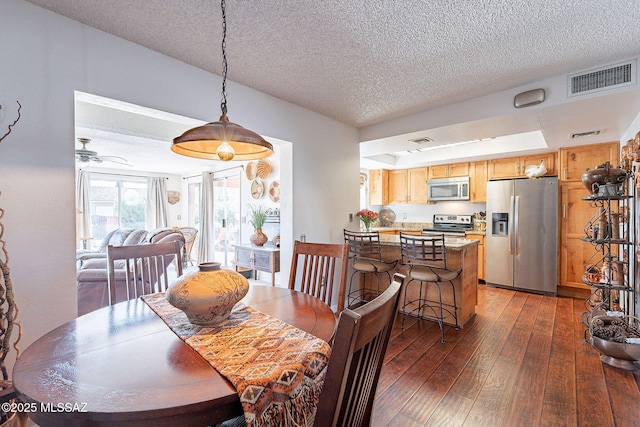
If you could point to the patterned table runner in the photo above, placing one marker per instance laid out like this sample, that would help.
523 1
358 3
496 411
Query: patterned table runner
277 369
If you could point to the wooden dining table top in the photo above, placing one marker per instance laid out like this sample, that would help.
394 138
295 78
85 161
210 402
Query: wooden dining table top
123 366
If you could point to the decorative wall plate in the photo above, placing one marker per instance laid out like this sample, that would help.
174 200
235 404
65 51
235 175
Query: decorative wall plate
274 191
264 168
257 189
251 171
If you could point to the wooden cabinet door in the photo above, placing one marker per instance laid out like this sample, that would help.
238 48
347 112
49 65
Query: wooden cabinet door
397 187
378 186
438 171
504 168
481 253
417 181
575 160
478 182
459 169
535 159
574 215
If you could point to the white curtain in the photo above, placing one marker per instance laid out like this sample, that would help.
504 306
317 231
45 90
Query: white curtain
157 202
205 245
83 207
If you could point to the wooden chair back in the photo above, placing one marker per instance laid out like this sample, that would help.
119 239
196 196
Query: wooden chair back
422 249
356 360
315 267
142 269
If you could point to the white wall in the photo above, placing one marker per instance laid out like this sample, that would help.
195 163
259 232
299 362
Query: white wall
44 58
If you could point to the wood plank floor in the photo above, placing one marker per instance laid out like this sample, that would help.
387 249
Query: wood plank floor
522 361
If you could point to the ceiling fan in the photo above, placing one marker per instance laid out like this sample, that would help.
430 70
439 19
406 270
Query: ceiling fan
85 156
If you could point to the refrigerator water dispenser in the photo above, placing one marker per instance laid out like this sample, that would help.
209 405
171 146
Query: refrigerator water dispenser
499 224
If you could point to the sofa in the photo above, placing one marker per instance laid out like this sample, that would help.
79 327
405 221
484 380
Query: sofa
117 237
91 278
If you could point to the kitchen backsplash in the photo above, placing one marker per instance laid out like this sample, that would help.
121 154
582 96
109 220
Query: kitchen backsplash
424 213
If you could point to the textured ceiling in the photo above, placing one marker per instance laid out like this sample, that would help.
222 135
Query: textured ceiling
366 61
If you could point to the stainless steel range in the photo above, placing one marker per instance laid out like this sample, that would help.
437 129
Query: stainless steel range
450 225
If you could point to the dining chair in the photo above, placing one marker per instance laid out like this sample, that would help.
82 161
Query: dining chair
426 256
141 269
315 267
356 359
366 255
354 367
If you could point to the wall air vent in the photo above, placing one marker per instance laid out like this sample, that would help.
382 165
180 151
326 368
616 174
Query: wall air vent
603 79
423 140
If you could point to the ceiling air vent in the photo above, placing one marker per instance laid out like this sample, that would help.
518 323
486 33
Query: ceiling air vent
423 140
603 79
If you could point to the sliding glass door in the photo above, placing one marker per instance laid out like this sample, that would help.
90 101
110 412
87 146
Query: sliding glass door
226 230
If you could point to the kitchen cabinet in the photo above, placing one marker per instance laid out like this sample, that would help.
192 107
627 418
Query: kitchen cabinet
407 186
397 187
575 160
481 253
378 186
417 181
478 182
575 213
514 167
574 251
449 171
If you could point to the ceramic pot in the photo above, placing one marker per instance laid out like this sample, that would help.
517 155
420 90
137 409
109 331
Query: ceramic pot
258 238
207 294
603 174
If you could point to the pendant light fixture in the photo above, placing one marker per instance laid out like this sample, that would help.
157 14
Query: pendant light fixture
222 140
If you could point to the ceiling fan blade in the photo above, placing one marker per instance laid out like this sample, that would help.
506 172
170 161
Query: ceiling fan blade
114 159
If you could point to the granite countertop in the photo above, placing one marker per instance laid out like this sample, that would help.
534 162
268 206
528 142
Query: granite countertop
404 226
449 243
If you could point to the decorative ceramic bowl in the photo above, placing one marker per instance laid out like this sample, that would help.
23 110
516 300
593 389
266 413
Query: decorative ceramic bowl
387 217
603 174
208 293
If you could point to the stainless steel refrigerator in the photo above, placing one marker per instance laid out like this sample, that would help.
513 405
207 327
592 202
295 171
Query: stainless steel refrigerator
522 234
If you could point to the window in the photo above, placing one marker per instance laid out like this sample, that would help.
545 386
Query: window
117 203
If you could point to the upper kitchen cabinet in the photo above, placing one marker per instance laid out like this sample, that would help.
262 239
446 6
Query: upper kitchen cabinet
575 160
449 171
478 174
378 186
407 186
514 167
417 180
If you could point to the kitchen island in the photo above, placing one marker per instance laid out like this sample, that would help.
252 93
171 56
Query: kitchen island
460 253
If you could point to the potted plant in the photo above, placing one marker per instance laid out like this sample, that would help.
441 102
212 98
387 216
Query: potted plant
257 218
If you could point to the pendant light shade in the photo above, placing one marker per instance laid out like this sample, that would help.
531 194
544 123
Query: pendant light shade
208 142
222 140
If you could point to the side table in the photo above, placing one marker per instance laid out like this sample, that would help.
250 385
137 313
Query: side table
258 258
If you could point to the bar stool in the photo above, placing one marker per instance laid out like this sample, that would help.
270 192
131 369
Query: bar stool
421 253
364 250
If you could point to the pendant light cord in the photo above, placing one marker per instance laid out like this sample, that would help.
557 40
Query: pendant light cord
223 103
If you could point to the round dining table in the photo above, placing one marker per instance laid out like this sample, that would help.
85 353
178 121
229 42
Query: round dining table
123 366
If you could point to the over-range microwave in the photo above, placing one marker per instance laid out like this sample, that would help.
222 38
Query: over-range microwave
448 189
